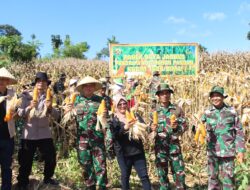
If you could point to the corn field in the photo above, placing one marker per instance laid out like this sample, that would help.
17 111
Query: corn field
230 70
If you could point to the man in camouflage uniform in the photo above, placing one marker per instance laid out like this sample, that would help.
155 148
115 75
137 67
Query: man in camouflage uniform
90 142
167 145
155 81
108 137
225 139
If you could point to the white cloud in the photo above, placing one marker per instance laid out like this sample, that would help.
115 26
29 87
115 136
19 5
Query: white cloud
175 20
182 31
244 7
219 16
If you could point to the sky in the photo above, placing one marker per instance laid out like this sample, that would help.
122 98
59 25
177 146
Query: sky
219 25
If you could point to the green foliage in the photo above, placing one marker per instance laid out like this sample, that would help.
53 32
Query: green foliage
104 53
8 30
202 49
248 35
243 174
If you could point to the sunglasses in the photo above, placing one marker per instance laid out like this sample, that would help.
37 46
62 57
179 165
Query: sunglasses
122 104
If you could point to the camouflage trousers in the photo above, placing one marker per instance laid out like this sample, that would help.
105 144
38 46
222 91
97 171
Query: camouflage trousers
92 157
177 168
109 144
224 167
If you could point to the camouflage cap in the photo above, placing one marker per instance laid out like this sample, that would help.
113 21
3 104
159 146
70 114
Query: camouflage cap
218 89
163 86
156 73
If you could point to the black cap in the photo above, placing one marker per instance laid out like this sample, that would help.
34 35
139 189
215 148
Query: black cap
42 76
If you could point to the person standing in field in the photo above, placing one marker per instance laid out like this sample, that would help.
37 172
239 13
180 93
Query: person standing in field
90 142
225 140
7 129
129 152
170 126
154 83
36 133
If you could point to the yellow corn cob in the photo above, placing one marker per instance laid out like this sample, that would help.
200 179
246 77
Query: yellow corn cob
8 116
101 108
172 118
35 94
202 129
48 94
133 115
202 139
113 109
155 118
129 117
73 98
197 135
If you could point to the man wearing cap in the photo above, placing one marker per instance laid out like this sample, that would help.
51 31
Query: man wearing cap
59 85
225 140
36 133
7 129
167 145
90 142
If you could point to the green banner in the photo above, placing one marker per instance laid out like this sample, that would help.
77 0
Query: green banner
172 59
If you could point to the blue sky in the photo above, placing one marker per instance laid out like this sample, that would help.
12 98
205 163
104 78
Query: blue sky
219 25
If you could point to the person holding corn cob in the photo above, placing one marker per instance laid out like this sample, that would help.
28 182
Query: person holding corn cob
168 123
225 140
90 140
36 132
7 127
129 152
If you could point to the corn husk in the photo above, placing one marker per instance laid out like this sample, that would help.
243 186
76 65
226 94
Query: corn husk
138 131
13 104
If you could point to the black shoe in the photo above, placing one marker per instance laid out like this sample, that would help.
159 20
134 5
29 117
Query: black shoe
50 181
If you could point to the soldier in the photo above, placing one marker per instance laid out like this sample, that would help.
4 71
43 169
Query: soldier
7 129
167 145
225 140
90 142
155 81
36 133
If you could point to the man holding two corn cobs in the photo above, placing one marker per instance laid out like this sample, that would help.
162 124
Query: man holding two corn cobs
168 127
35 110
225 140
91 147
7 127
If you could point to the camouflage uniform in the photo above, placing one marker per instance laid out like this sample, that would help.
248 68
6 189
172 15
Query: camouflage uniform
109 142
91 148
155 81
167 146
225 138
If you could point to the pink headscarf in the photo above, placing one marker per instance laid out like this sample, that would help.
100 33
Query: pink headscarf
121 117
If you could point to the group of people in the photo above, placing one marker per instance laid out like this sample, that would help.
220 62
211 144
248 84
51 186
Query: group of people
225 137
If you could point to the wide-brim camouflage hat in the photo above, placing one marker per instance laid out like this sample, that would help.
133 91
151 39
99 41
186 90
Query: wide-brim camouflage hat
218 89
163 86
4 73
88 80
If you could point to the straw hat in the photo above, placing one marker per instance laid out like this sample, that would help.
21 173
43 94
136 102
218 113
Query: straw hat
4 73
88 80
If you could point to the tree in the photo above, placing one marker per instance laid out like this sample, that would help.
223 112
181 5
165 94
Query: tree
76 51
202 49
248 35
56 43
104 53
8 30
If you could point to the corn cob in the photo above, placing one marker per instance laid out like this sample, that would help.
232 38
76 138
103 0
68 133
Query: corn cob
172 118
197 135
35 94
73 98
129 117
48 94
202 129
8 116
101 108
155 118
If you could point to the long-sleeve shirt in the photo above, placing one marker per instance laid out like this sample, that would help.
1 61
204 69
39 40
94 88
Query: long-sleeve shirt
35 128
225 135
